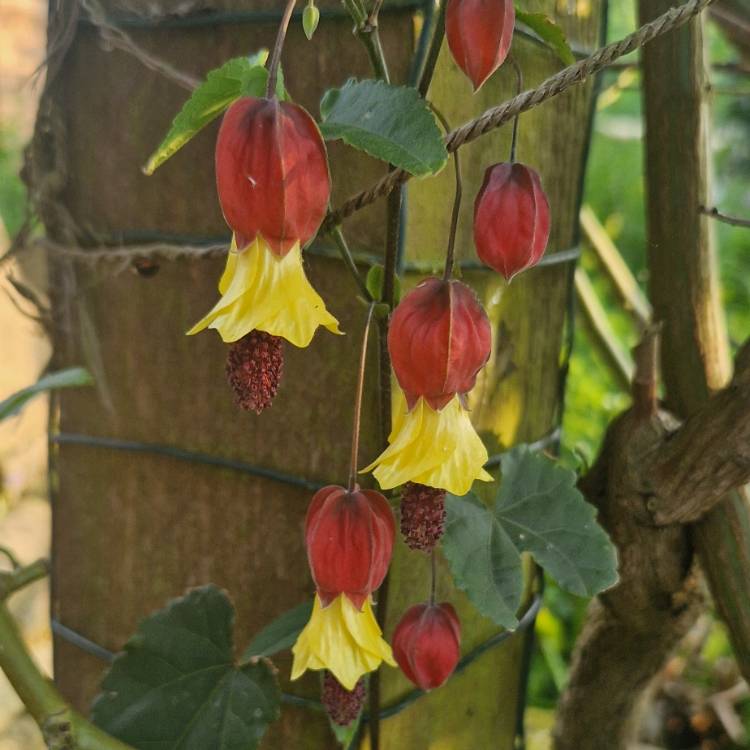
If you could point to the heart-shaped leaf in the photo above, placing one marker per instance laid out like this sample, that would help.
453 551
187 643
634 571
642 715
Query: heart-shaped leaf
391 123
176 686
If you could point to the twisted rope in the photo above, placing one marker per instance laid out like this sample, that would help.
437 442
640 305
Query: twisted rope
556 84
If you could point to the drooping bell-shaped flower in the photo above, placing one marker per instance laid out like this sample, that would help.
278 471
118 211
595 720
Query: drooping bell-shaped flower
511 218
427 644
479 34
273 184
343 639
439 339
271 173
349 538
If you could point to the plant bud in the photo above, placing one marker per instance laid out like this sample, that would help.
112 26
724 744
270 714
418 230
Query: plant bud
427 644
439 338
254 367
479 34
511 219
271 173
422 516
341 705
349 538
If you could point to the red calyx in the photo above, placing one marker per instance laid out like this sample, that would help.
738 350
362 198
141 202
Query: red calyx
439 339
349 538
479 34
427 644
254 367
271 173
511 218
342 705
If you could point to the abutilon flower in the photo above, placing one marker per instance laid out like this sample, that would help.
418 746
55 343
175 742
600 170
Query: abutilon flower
479 34
427 644
273 183
439 338
349 537
343 639
511 218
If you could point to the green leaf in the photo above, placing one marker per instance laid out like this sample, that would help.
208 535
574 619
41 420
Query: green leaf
345 735
240 76
281 633
391 123
375 280
543 512
548 31
70 378
483 560
176 687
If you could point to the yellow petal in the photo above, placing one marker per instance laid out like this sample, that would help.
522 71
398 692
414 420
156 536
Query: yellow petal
262 291
340 638
436 448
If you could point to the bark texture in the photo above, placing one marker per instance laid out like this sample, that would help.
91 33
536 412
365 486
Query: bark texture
684 288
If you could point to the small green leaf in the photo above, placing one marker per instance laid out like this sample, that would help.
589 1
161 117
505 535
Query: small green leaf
310 18
176 687
374 283
70 378
543 512
240 76
483 560
391 123
547 30
345 735
281 633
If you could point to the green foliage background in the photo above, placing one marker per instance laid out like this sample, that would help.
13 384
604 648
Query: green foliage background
615 190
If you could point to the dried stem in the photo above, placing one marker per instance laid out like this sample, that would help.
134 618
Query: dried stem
734 221
519 89
450 252
348 258
358 401
273 63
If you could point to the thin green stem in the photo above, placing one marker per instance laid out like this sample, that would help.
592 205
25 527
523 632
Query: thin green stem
358 401
273 63
425 76
22 576
55 717
348 258
366 30
433 577
12 559
450 252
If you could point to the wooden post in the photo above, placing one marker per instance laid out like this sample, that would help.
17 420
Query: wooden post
684 288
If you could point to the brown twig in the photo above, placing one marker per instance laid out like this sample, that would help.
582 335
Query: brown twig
734 221
275 59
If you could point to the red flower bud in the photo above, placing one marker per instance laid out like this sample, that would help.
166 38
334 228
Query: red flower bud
254 366
271 173
439 339
511 218
427 644
349 538
479 34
